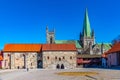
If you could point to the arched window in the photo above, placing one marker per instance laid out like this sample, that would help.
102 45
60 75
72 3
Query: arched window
62 66
70 57
59 59
48 57
55 57
51 40
58 66
63 57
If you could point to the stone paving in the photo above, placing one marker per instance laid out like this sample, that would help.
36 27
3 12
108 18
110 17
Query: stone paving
43 74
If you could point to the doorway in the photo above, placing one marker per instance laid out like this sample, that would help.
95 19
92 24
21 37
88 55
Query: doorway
57 66
62 66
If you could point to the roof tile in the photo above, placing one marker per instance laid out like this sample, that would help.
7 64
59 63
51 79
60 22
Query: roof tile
59 47
22 48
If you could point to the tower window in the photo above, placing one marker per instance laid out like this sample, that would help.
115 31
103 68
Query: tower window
51 40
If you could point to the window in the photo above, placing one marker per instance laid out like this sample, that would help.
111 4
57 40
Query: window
48 57
59 59
63 57
51 40
70 57
8 54
55 57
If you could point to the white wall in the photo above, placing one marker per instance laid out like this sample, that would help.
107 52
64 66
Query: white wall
112 59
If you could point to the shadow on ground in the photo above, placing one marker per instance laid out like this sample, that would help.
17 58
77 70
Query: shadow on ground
111 68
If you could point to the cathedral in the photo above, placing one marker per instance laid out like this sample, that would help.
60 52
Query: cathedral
89 52
56 54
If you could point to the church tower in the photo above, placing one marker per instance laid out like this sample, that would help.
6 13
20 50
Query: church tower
87 37
50 36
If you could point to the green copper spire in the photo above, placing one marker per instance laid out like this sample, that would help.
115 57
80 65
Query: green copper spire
86 25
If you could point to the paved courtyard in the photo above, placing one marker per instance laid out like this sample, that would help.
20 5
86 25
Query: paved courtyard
42 74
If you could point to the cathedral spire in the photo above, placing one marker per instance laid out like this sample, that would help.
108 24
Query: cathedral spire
86 25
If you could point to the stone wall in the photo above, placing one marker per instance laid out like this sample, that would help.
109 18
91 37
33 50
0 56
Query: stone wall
53 58
20 60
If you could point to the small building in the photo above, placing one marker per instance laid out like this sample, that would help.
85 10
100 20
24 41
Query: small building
19 56
59 56
113 55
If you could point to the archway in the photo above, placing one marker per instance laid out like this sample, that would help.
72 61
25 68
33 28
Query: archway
62 66
57 66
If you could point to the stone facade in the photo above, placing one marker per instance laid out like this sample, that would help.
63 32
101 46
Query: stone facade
50 35
20 60
57 59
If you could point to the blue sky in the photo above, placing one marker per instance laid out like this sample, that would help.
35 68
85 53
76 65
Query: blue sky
24 21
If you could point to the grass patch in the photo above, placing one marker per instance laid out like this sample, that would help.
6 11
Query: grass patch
77 73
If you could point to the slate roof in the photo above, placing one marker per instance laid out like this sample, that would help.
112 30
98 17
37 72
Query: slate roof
76 42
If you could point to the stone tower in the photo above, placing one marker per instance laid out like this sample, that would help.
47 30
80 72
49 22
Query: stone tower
50 36
87 37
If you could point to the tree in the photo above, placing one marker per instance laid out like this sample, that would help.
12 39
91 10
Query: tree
116 40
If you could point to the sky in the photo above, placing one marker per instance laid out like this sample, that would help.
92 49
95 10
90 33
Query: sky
24 21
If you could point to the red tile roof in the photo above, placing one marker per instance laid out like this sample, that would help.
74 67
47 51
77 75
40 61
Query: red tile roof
115 48
22 48
59 47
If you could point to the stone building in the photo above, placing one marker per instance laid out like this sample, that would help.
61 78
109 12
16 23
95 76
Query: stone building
18 56
61 56
52 56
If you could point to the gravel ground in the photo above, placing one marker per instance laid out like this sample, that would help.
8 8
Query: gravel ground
43 74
